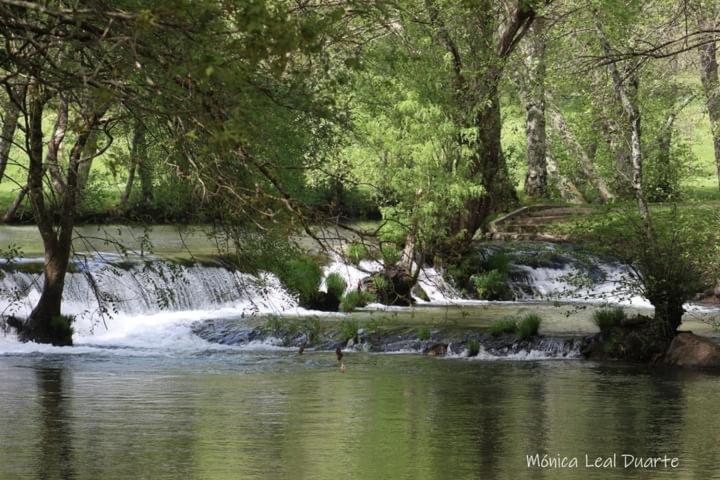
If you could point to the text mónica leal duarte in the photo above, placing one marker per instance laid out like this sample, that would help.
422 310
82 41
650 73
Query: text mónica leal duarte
615 460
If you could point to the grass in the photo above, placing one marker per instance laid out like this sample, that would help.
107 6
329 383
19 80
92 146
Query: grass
525 328
357 252
607 318
336 285
423 333
473 348
505 325
528 326
348 329
355 299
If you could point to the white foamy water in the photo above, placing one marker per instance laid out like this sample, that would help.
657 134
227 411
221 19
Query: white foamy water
146 308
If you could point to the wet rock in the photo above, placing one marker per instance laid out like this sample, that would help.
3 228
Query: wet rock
689 350
392 286
436 350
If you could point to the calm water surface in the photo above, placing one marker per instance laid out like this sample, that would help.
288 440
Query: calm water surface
274 415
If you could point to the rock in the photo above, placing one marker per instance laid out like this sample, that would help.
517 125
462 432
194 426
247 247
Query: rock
392 286
634 321
436 350
689 350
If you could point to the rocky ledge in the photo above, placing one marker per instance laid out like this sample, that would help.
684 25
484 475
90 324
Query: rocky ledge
387 339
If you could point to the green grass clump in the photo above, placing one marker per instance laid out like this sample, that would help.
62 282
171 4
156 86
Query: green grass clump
390 255
356 252
348 329
423 333
355 299
505 325
302 276
473 348
528 327
336 285
607 318
491 285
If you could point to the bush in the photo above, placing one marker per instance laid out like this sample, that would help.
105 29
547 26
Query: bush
423 333
302 276
390 255
312 328
348 329
528 327
336 285
505 325
473 348
607 318
62 326
491 285
356 252
499 261
355 299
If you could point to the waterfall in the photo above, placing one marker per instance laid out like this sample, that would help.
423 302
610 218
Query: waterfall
153 302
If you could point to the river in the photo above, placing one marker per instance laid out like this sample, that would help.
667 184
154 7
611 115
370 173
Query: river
141 396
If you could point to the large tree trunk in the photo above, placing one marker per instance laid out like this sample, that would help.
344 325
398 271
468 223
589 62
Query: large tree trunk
557 121
45 323
567 189
711 86
489 167
12 114
626 90
534 96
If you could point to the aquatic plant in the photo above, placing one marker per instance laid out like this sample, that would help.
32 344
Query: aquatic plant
302 276
528 326
336 285
491 285
504 325
355 299
473 347
423 333
348 329
607 318
356 252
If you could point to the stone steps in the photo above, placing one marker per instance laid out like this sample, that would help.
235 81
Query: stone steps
534 223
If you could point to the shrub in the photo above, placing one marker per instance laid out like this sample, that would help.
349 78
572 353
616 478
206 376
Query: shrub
499 261
348 329
302 276
312 328
380 283
355 299
473 348
356 252
336 285
491 285
390 255
62 326
607 318
423 333
528 327
505 325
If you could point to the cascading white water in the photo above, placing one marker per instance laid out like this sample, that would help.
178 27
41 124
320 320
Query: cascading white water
148 305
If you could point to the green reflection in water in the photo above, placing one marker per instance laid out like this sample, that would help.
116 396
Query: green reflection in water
276 416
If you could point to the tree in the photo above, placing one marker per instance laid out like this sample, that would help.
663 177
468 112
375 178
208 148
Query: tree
206 72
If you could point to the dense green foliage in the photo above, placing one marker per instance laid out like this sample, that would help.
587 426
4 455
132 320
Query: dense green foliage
269 118
505 325
607 318
355 299
336 285
528 326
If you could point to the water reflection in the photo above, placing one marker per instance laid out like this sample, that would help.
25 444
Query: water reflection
56 450
387 417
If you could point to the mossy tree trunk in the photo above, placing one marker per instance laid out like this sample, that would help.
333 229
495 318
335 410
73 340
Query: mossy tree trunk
45 323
